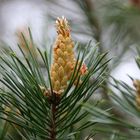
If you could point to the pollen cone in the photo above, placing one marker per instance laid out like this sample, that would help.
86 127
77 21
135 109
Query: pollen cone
64 58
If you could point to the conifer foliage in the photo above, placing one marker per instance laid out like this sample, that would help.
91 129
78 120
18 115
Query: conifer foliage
47 105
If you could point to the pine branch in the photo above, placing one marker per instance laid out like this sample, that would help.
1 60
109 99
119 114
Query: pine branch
48 110
53 124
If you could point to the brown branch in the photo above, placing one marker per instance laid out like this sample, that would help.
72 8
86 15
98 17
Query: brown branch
54 101
53 123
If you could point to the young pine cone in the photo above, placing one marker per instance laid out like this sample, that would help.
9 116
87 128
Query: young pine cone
64 57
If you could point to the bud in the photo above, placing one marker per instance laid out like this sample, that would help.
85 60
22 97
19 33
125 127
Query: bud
62 46
136 84
83 69
64 81
57 85
65 55
61 62
59 52
61 72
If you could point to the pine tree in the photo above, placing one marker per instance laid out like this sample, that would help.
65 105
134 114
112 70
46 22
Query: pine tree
51 94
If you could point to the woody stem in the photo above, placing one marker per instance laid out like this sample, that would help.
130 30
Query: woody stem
53 123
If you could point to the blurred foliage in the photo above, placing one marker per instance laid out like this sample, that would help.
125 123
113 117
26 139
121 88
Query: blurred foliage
122 119
115 24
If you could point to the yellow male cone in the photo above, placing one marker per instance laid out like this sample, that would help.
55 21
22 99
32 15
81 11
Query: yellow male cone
64 58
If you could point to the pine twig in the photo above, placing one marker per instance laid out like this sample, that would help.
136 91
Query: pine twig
53 130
